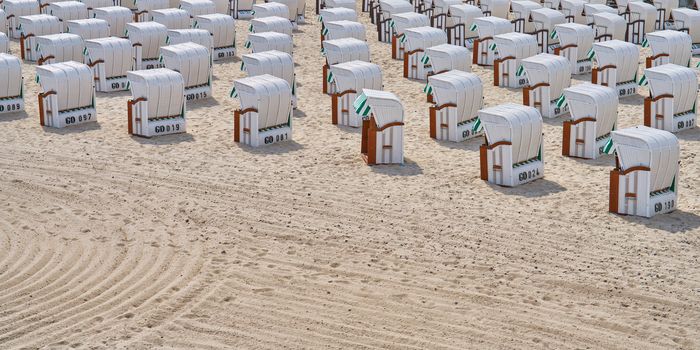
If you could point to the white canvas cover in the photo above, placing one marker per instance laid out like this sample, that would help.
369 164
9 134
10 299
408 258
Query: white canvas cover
498 8
4 43
64 47
588 100
357 75
447 57
490 26
345 50
3 21
424 37
403 21
337 14
690 19
608 23
551 69
115 52
623 55
14 9
271 96
546 18
647 12
520 125
93 4
191 60
522 9
678 81
340 3
574 8
221 27
271 24
592 9
578 34
198 7
667 5
292 7
461 88
116 16
391 7
39 25
345 29
674 43
385 106
72 82
10 76
276 63
222 7
172 18
197 36
68 10
270 9
260 42
91 28
443 6
656 149
147 6
163 88
622 5
464 14
150 35
518 45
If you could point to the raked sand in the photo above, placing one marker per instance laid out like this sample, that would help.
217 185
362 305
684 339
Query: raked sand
192 241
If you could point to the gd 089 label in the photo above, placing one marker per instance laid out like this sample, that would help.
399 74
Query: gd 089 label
10 107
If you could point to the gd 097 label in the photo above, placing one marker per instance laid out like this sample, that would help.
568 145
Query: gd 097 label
79 119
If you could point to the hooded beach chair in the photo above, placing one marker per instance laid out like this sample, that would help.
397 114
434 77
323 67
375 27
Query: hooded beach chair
292 10
265 113
110 59
416 65
271 24
575 42
259 42
547 76
198 8
616 66
144 8
270 9
67 11
335 14
348 4
67 94
573 10
94 4
641 20
172 18
544 20
117 17
343 29
146 39
609 26
457 97
664 9
521 15
645 179
511 49
382 127
460 25
348 80
672 100
30 27
487 28
382 15
193 61
11 84
400 22
91 28
447 57
57 48
223 32
668 46
14 9
688 20
593 110
301 9
512 152
495 8
197 36
591 9
341 51
242 8
276 63
157 104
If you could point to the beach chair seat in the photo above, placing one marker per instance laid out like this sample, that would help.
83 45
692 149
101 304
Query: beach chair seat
271 24
457 96
91 28
645 180
270 9
223 32
259 42
276 63
348 80
547 75
172 18
30 27
512 153
341 51
672 101
265 113
460 25
146 39
110 59
521 15
668 46
688 20
575 42
399 23
157 105
591 9
11 84
544 20
193 61
68 10
616 65
67 94
511 48
609 26
143 9
117 17
14 9
57 48
382 14
382 127
487 27
593 110
641 20
416 65
495 8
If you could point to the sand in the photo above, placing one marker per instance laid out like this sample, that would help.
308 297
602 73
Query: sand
192 241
